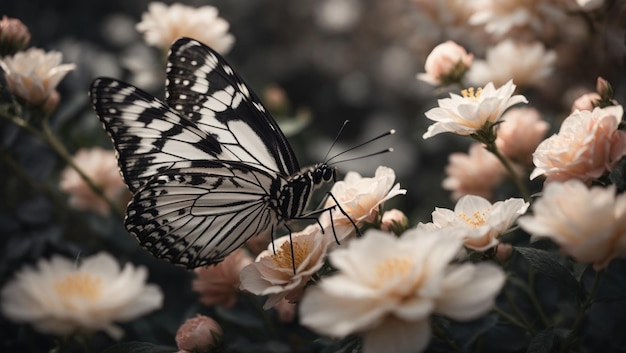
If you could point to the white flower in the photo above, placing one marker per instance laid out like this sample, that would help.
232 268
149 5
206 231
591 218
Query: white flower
588 224
34 74
477 172
280 273
101 167
387 288
473 111
163 24
447 62
588 144
526 64
360 198
481 222
60 297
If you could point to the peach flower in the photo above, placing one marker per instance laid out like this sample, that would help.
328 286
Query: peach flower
520 133
198 334
475 173
101 167
589 224
279 272
219 284
447 63
587 145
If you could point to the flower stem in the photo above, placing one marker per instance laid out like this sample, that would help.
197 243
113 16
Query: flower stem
534 300
441 334
491 147
583 310
510 318
522 319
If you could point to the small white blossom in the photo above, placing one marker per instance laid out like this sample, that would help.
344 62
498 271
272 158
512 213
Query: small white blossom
387 287
481 222
163 24
60 297
473 110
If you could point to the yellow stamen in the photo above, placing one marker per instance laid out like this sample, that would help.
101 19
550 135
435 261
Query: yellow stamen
472 94
79 284
396 266
283 256
477 219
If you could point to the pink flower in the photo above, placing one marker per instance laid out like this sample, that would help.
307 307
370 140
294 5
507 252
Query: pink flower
101 167
476 173
587 101
587 145
447 63
198 334
520 133
14 36
219 284
279 272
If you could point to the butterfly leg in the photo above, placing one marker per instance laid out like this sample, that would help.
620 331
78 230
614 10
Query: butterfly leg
293 258
358 231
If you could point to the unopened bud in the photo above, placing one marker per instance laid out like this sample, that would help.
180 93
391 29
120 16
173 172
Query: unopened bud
14 36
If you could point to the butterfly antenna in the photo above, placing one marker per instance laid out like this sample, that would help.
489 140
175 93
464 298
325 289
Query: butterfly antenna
390 132
386 150
346 122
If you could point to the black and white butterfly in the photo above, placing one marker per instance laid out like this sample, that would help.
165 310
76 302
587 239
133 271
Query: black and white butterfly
209 167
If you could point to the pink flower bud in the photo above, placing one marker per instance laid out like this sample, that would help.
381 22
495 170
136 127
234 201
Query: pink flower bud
603 87
587 101
447 63
14 36
198 334
394 221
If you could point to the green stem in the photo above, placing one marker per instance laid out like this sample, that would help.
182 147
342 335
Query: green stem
48 137
491 147
583 310
440 333
534 300
509 318
522 319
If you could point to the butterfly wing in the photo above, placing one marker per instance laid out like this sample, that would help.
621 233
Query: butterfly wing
203 87
196 216
149 136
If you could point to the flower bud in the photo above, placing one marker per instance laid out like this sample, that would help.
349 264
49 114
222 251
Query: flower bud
14 36
446 64
198 334
587 101
394 221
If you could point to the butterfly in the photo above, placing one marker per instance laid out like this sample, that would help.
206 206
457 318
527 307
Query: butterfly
208 167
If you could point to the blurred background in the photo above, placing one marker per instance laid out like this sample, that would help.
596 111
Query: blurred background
338 60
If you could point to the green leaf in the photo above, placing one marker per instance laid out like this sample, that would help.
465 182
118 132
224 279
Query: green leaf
542 342
543 262
139 347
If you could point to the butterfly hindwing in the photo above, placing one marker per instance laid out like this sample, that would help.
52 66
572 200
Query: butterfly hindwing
203 87
196 216
148 135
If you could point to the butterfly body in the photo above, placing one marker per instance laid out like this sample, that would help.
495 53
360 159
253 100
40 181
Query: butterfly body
208 167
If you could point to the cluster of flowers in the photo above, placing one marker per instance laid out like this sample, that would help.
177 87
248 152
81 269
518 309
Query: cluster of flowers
386 284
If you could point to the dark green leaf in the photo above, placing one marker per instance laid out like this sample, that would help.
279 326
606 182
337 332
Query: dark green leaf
139 347
543 262
542 342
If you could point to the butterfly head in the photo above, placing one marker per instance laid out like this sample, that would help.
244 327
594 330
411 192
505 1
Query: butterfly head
323 173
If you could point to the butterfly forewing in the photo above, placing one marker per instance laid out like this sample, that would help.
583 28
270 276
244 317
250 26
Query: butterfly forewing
204 88
148 136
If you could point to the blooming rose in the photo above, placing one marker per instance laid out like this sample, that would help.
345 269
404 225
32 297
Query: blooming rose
520 133
588 224
14 36
587 145
34 74
475 173
447 63
387 287
219 284
473 111
525 64
163 24
60 297
360 198
481 222
280 273
198 334
101 167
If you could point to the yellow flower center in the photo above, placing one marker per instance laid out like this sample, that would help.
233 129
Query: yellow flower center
477 219
472 94
79 285
397 266
285 259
